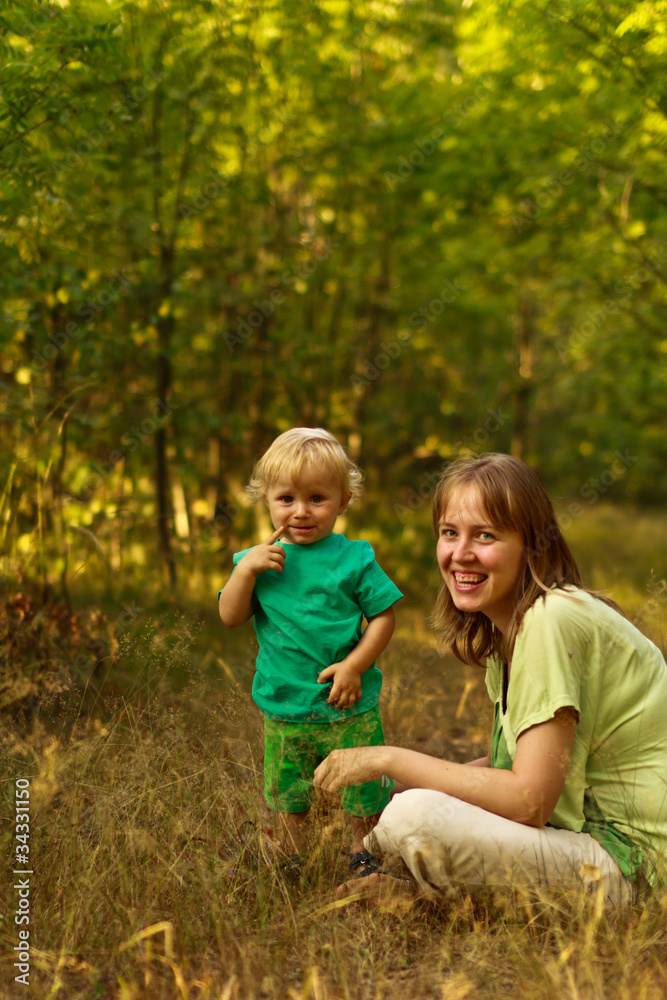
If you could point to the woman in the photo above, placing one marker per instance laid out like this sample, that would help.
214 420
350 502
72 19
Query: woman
579 738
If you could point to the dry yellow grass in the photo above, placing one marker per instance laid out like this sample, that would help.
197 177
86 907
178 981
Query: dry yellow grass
154 876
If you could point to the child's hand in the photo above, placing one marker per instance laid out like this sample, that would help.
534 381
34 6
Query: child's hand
346 687
264 556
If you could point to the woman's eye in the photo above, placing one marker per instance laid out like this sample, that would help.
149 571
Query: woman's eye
447 533
486 536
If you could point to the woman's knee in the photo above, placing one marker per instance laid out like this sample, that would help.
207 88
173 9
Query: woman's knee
421 819
426 802
419 812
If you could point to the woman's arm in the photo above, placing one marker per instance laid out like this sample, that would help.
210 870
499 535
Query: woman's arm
526 794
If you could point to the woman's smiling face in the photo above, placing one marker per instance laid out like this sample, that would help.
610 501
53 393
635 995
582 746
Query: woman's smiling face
480 564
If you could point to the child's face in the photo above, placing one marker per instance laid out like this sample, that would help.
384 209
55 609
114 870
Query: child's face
308 508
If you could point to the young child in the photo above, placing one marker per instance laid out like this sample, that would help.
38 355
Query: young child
309 593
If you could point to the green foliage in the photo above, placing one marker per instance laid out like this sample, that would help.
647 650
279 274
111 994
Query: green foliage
432 228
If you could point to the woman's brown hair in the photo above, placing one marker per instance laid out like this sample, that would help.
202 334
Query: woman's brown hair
514 499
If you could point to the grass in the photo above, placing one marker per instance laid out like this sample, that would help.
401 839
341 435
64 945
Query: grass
153 874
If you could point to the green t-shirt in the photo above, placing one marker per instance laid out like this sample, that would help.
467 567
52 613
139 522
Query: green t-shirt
573 650
308 617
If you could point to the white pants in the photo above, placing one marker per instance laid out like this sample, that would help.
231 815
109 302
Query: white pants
448 843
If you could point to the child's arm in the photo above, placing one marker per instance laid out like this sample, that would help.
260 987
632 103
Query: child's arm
346 688
235 604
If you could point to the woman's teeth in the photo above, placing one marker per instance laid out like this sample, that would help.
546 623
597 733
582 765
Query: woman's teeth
469 579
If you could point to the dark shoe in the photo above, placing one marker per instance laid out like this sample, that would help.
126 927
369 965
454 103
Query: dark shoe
363 864
292 868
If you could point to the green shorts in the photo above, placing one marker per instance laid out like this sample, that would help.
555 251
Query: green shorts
292 751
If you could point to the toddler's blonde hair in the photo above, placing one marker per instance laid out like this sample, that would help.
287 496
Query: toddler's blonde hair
301 446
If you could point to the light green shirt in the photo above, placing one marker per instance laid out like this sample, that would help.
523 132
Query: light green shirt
573 650
308 617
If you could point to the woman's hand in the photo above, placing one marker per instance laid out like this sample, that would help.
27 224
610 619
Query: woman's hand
349 767
526 794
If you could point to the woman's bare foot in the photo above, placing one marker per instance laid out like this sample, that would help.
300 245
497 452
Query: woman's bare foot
384 891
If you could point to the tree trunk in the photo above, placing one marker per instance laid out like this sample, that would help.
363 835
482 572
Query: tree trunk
165 330
523 378
365 368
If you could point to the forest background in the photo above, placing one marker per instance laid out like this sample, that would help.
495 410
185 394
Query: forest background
435 228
